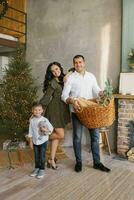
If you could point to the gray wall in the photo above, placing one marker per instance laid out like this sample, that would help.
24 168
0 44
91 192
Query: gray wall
59 29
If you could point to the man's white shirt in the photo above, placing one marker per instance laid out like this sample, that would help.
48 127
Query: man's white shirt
78 85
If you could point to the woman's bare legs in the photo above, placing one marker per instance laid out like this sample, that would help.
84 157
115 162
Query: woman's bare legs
57 135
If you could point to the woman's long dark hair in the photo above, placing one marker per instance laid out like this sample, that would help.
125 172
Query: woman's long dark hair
49 75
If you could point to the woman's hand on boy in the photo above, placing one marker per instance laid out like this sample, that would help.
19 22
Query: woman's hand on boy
31 117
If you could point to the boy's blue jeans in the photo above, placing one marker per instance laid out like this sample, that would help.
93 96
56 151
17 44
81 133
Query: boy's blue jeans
77 136
39 155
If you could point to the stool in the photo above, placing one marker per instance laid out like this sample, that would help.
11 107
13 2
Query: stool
105 132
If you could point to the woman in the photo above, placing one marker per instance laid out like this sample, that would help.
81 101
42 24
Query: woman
55 109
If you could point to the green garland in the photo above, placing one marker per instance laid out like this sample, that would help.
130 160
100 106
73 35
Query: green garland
4 5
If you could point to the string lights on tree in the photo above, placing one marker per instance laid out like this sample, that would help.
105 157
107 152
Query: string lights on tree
18 92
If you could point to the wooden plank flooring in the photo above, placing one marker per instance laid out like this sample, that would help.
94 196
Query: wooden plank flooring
65 184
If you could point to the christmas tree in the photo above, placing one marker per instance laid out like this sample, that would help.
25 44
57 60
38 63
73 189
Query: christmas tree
17 94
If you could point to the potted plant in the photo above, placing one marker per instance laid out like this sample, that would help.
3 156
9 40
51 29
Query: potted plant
131 58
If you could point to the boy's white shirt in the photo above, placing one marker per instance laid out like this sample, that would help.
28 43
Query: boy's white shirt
34 130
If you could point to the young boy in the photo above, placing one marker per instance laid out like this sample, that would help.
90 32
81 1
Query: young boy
39 131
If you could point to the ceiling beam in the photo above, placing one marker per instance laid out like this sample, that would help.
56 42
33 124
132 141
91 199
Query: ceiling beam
8 43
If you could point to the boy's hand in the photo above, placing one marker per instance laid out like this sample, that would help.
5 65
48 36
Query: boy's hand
31 144
44 130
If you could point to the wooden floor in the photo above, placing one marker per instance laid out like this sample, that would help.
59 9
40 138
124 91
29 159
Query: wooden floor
65 184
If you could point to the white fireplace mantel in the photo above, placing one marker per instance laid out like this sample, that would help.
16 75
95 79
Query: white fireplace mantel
121 96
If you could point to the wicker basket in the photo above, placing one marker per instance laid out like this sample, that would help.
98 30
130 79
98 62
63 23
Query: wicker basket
97 116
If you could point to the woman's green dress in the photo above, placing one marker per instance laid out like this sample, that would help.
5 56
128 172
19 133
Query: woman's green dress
56 111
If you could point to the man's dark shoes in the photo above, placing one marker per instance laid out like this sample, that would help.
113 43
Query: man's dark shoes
78 167
101 167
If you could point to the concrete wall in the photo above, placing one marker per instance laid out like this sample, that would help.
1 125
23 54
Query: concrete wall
59 29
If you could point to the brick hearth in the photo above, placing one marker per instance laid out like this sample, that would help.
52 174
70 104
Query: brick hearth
125 126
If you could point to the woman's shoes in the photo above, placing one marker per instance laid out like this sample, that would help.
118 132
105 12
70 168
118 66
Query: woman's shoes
55 160
51 164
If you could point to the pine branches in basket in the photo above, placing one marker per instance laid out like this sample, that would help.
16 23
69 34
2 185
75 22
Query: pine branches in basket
107 95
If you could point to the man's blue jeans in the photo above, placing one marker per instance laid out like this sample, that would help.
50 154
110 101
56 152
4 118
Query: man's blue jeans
39 155
77 136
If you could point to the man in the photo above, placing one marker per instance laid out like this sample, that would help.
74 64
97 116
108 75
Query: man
82 84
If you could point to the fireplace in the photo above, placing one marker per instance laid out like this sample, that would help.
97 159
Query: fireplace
125 132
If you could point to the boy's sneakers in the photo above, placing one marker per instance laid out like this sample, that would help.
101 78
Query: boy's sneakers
41 173
35 172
